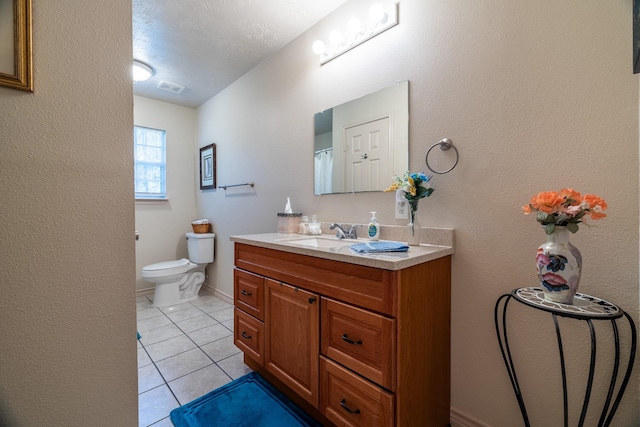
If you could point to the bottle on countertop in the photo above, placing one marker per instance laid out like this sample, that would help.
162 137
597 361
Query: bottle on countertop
303 227
314 226
373 230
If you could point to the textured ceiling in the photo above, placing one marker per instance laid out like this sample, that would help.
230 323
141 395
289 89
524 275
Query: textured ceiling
205 45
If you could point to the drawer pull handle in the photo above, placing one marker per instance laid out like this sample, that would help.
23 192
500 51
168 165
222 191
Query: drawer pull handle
350 341
245 293
244 335
343 403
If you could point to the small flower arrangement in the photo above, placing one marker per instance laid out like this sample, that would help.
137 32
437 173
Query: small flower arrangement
566 207
411 184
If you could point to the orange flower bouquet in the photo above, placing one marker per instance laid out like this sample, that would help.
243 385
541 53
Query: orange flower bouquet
566 207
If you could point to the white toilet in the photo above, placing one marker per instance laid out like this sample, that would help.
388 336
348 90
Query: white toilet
180 281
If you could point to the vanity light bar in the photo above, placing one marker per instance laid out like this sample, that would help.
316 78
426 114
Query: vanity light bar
381 20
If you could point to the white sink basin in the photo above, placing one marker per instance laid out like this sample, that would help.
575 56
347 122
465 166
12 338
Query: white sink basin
319 242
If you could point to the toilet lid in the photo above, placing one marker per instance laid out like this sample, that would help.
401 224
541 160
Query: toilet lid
167 265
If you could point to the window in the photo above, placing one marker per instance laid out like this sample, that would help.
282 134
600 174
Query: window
150 163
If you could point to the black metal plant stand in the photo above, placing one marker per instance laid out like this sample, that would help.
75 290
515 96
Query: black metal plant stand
587 308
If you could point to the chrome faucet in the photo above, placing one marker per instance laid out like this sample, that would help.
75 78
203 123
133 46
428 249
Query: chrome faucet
341 234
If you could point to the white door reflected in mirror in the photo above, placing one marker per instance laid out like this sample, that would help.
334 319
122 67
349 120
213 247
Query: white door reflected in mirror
360 145
368 156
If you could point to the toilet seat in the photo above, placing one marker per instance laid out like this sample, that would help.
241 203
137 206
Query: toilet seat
167 268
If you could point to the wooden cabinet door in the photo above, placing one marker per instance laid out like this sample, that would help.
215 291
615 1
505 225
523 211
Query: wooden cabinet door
292 337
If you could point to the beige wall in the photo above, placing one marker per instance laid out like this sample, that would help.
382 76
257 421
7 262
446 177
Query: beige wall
162 224
67 317
535 95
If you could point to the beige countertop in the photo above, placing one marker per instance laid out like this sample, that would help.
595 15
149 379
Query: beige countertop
342 252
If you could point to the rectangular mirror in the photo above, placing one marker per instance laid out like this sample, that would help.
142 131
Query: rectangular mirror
15 44
360 145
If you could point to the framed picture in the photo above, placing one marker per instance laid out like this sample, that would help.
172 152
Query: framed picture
636 36
16 68
208 167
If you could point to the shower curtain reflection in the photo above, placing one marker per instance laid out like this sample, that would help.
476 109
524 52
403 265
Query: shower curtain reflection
323 168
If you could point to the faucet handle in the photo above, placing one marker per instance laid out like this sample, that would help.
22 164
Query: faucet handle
352 231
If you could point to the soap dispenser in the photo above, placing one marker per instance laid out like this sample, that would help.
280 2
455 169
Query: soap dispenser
374 228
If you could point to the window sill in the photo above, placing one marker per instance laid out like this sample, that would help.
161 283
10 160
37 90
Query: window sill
151 201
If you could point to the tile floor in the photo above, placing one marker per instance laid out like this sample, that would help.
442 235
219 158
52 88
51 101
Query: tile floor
184 351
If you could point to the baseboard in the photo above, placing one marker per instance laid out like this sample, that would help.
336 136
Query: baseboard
208 289
217 293
460 419
144 292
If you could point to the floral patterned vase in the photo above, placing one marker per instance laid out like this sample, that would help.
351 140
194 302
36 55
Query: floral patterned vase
414 230
559 266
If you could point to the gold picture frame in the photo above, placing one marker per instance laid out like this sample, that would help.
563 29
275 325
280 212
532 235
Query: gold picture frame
16 65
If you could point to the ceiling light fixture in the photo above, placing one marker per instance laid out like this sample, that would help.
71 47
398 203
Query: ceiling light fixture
141 71
380 19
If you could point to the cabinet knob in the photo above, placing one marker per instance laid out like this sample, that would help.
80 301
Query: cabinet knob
343 403
245 293
244 335
312 300
350 341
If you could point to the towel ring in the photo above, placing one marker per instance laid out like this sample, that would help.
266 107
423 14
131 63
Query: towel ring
444 144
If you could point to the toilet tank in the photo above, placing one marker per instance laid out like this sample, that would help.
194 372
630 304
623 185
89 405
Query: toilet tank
200 247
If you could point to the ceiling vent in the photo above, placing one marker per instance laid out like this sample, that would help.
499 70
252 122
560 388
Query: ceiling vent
170 87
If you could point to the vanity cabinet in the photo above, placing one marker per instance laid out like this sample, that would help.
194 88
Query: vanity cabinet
354 345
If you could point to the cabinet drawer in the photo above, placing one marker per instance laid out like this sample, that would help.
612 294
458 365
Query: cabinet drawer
360 340
349 400
248 335
248 293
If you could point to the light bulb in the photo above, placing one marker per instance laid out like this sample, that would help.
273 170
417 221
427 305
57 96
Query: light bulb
141 71
319 47
335 37
377 13
354 26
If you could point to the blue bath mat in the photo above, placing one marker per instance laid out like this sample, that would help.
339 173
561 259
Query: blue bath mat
249 401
